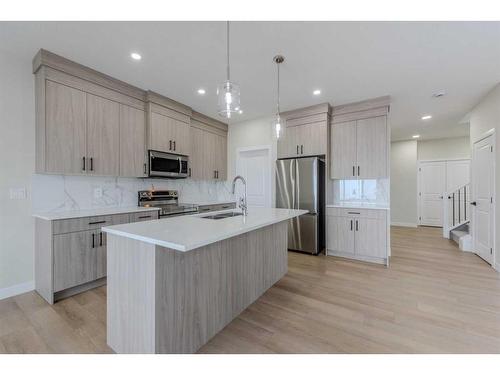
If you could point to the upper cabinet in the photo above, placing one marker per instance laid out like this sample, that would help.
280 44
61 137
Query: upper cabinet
86 123
360 140
208 157
305 132
168 125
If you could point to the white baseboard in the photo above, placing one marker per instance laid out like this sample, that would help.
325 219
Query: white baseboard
14 290
400 224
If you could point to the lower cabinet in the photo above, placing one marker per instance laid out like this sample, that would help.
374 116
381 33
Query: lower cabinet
70 254
358 234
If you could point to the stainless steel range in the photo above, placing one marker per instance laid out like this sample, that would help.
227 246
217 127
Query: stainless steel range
166 200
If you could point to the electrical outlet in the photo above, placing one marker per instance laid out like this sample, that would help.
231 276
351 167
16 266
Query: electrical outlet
17 193
97 193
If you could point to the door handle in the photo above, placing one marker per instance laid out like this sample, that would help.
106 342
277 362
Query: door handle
351 225
83 163
93 240
100 238
180 164
91 164
357 226
302 149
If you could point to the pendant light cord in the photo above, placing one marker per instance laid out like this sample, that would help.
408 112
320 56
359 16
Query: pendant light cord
278 65
227 32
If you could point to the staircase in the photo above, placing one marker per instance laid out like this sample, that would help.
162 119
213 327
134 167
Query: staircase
456 217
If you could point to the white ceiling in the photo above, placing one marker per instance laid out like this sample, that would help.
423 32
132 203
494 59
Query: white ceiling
348 61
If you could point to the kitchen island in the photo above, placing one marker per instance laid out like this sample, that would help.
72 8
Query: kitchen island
174 283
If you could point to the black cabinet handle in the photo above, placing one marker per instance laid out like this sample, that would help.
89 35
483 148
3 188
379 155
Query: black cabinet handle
91 164
97 222
302 149
358 170
170 145
93 239
353 170
353 213
351 225
145 171
83 163
473 203
100 238
145 217
357 226
174 146
297 149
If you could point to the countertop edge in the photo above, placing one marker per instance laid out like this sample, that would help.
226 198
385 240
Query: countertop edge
52 216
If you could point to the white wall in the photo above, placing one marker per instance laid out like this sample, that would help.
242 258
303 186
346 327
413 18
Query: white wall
404 159
17 162
484 117
404 183
251 133
445 148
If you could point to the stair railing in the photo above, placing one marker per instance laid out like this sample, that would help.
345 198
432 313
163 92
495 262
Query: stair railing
456 210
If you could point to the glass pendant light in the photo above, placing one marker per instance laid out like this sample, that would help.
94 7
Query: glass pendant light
278 127
228 93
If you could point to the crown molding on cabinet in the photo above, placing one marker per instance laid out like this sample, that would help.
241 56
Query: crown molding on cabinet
50 59
307 111
364 105
202 121
159 99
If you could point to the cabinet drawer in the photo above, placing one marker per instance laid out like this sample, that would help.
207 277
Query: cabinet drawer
355 212
226 206
88 223
143 216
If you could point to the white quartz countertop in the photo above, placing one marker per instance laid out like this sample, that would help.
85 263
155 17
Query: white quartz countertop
59 215
189 232
205 203
360 205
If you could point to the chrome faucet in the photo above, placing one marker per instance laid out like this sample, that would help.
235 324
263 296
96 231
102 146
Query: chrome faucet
243 200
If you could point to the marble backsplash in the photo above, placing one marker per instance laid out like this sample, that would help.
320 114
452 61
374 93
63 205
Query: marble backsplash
52 193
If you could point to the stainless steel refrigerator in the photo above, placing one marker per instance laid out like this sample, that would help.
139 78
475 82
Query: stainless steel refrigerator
300 184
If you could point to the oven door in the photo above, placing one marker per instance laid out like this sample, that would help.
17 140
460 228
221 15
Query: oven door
162 164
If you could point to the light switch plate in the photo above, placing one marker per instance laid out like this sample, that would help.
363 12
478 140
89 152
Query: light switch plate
17 193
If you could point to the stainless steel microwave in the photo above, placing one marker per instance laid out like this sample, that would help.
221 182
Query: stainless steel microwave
163 164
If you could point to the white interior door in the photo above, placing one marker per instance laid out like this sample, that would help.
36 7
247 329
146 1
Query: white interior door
483 175
255 166
432 180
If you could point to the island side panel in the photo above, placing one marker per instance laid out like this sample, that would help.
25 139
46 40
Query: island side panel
199 292
130 295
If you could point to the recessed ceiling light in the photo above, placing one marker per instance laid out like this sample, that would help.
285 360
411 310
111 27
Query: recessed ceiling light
240 111
201 91
426 117
135 56
316 92
416 136
439 94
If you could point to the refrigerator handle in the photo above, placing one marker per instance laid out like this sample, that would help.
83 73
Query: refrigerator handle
297 184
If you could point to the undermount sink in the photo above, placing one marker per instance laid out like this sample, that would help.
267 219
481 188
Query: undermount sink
222 216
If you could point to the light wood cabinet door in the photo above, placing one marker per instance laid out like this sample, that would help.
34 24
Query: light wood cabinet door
182 142
197 161
221 157
132 142
343 150
288 145
103 132
371 147
340 234
101 255
162 130
210 156
74 259
312 139
65 127
371 237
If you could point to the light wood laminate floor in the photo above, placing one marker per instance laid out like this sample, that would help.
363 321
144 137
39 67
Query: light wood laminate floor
433 299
